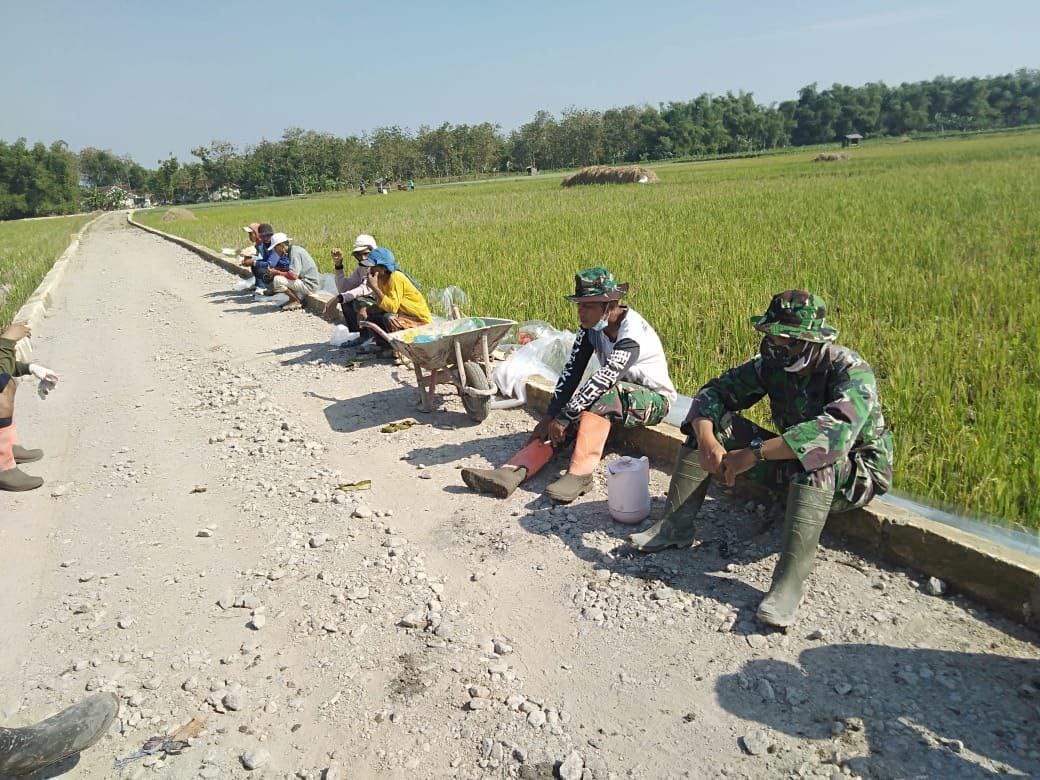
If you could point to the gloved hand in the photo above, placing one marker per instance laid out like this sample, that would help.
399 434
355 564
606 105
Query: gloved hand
43 373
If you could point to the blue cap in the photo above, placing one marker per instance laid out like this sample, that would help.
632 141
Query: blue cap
381 256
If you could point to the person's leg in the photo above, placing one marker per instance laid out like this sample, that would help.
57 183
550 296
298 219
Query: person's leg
71 731
282 286
689 487
350 317
12 478
501 482
627 404
809 499
21 454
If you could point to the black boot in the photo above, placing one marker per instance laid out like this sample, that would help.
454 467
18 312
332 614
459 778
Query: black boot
70 731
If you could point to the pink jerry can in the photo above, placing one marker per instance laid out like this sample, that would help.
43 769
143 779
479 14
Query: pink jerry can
628 489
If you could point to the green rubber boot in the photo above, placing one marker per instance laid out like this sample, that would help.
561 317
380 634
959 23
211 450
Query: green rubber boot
807 510
686 493
70 731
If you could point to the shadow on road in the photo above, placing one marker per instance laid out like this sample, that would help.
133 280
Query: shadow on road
699 570
905 712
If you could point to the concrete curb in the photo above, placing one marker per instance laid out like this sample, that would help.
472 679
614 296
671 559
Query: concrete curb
314 303
33 311
1000 578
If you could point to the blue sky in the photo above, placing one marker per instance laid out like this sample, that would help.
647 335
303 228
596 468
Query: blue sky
153 78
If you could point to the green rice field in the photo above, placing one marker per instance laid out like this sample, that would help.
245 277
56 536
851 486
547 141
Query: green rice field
927 252
28 249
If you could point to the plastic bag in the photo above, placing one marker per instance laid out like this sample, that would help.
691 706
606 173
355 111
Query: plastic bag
534 329
328 284
545 356
341 335
244 284
444 301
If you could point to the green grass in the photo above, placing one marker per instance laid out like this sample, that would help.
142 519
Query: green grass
928 254
28 249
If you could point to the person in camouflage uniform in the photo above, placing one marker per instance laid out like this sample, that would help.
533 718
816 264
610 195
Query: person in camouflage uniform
834 452
631 388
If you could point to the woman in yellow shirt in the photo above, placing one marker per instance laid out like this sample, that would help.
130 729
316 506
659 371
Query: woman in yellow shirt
399 304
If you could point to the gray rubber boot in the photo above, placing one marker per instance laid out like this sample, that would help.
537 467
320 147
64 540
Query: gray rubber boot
686 493
70 731
569 487
807 510
500 482
22 455
17 480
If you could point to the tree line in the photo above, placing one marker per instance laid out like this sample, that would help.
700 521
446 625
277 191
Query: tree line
44 180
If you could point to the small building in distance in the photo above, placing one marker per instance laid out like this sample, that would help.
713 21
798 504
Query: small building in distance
227 192
851 139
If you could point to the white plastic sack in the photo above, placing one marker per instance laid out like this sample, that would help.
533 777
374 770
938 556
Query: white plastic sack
341 335
543 357
244 284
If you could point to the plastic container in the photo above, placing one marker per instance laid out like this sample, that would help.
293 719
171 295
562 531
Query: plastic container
628 489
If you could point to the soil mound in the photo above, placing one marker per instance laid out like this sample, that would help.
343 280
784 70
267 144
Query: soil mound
176 214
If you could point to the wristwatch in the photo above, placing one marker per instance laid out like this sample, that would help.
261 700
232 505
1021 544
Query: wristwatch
756 447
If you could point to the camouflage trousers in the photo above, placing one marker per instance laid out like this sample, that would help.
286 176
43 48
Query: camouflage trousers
631 405
849 479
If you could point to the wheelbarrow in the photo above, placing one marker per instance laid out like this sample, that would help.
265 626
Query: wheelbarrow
454 352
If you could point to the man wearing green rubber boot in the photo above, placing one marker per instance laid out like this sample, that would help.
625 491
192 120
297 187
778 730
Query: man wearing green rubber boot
834 453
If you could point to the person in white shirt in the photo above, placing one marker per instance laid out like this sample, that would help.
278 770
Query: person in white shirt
631 388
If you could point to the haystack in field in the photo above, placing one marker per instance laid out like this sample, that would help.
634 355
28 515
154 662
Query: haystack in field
831 157
611 174
176 214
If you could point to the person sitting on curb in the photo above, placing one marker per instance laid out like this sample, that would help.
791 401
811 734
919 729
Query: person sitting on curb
260 262
299 279
631 387
834 453
398 303
71 731
353 292
12 453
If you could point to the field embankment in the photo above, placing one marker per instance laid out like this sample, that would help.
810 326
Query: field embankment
28 249
927 253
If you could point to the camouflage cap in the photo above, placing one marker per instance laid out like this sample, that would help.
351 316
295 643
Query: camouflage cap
597 285
797 315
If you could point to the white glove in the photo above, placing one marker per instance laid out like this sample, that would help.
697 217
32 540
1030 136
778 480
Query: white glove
43 373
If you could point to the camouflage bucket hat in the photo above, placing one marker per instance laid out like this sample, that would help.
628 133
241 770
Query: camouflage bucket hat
597 285
796 315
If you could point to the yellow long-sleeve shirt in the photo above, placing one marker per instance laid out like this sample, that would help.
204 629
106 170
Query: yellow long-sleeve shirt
401 297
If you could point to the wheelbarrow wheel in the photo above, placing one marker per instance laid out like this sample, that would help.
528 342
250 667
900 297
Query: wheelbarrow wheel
477 406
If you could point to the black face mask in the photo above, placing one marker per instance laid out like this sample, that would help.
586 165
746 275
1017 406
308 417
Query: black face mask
782 355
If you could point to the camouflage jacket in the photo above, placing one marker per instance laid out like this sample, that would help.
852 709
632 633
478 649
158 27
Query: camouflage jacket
8 364
824 416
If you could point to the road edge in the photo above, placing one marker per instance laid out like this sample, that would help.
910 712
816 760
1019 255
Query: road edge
314 302
33 311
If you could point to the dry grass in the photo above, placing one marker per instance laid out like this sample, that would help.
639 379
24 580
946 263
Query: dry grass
611 174
177 213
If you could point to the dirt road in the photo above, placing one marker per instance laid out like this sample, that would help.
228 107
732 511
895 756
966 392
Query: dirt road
191 552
